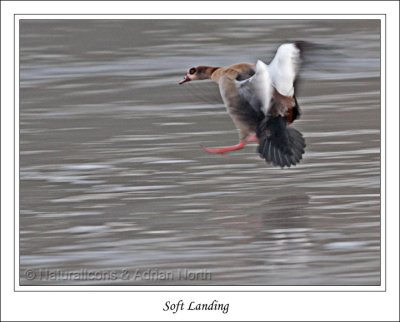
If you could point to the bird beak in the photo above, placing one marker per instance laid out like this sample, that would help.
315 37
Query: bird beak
185 79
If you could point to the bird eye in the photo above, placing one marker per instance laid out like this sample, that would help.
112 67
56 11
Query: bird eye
192 70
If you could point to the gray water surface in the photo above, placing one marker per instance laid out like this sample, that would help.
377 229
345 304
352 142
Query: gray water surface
115 189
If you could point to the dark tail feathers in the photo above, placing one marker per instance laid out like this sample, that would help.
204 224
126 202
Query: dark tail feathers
278 144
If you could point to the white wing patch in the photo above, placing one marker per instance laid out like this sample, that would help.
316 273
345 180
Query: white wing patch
262 85
284 67
257 90
280 74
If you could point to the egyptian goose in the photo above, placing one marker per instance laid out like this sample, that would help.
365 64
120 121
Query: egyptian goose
261 101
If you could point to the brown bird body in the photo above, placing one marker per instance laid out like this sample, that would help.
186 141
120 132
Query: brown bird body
261 102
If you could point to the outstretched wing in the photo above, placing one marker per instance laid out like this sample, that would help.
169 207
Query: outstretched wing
279 144
271 90
284 67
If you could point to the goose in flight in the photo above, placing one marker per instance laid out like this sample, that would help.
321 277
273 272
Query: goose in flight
261 101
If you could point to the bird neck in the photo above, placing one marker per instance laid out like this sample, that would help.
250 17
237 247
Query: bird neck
215 73
205 72
211 70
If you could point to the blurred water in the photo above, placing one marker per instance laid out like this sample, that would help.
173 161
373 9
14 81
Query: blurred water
112 177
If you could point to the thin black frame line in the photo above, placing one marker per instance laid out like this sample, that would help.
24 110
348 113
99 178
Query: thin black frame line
14 159
212 0
196 291
202 14
72 286
385 150
221 286
214 285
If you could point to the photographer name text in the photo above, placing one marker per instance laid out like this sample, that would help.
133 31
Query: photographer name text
44 274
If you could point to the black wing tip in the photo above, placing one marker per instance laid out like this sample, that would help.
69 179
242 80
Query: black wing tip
310 50
283 156
300 44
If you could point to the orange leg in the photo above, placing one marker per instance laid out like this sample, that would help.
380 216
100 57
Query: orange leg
225 149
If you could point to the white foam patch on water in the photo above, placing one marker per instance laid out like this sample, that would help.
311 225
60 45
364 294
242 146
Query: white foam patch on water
193 211
341 133
69 214
175 123
86 166
345 245
171 161
81 229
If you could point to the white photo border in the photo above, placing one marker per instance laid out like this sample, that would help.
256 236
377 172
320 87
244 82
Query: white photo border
188 288
94 304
